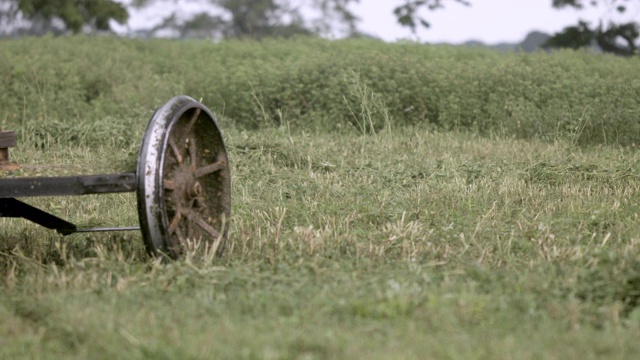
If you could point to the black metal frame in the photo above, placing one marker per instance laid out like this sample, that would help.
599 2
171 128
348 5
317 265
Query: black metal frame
68 185
59 186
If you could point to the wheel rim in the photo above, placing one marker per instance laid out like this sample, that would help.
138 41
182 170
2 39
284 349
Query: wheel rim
183 179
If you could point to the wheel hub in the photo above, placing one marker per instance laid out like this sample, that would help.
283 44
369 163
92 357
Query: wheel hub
187 190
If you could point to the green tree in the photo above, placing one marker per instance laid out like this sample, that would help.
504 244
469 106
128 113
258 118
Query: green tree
616 38
263 18
74 15
258 18
408 14
619 39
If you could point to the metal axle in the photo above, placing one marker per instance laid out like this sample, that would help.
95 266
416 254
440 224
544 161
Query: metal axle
128 228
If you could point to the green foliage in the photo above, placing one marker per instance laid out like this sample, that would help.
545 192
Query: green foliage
258 19
608 38
76 13
309 84
583 35
573 37
408 13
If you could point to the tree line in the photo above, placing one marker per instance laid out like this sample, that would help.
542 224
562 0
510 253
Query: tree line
284 18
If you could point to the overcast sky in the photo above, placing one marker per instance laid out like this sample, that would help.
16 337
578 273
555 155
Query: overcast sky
490 21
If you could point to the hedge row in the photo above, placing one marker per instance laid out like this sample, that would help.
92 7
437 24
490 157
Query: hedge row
318 84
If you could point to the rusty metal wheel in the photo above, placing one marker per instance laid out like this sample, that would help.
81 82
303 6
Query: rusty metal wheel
184 181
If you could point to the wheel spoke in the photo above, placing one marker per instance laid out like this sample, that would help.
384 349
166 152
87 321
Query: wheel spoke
189 227
192 121
173 226
169 184
181 239
193 153
211 168
176 150
203 225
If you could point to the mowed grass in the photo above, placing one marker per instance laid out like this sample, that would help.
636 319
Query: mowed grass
407 243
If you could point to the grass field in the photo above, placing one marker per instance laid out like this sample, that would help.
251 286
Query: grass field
373 240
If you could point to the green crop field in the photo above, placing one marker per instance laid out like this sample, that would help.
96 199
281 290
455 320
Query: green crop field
390 201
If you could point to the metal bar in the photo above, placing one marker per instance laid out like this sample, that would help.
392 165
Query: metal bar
67 185
128 228
10 207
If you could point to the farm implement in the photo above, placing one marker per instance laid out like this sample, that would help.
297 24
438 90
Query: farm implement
182 183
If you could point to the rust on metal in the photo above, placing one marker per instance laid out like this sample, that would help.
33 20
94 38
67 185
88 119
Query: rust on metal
192 175
7 140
